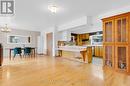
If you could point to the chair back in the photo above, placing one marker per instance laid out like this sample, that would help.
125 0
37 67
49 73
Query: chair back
17 50
27 50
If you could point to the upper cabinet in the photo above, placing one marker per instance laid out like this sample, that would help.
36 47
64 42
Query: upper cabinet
121 30
122 57
82 39
108 34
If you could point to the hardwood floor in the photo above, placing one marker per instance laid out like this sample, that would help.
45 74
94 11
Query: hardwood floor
46 71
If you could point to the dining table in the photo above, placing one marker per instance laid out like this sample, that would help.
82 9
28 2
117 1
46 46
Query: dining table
12 49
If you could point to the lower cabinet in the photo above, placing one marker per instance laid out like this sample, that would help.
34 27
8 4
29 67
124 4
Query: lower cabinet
98 51
121 57
108 56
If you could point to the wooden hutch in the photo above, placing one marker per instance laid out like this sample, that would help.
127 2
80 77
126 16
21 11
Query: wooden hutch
116 42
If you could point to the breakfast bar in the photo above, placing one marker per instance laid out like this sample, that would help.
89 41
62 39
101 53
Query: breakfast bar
86 52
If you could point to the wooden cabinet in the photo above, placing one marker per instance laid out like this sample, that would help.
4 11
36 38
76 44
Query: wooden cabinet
121 52
116 42
81 39
108 56
85 36
121 30
98 51
108 33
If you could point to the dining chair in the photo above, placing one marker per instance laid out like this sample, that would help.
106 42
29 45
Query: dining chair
27 51
18 51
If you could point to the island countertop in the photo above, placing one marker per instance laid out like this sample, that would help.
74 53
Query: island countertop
72 48
93 45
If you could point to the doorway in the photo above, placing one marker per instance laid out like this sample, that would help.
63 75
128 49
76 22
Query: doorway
49 43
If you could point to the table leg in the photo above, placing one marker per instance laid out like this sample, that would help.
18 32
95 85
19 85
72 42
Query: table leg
10 54
34 53
60 53
89 54
83 53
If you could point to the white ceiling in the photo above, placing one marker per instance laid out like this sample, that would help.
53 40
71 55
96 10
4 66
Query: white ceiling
34 14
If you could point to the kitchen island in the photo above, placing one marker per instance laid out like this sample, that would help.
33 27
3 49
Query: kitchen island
84 51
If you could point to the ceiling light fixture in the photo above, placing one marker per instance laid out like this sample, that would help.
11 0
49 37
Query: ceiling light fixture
53 8
5 29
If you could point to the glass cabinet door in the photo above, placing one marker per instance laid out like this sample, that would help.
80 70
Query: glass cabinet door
121 53
108 31
121 26
108 55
